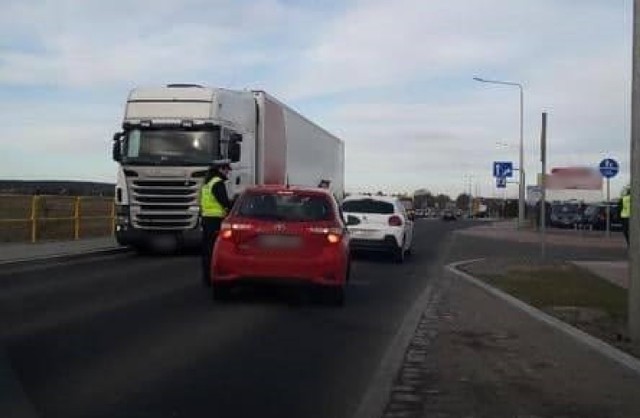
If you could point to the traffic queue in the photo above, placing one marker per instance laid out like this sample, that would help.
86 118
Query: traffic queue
290 235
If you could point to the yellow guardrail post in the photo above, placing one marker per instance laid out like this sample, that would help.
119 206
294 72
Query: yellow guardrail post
76 218
34 219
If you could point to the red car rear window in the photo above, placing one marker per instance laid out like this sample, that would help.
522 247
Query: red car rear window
291 207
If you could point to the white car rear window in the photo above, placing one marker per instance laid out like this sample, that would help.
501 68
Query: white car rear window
368 206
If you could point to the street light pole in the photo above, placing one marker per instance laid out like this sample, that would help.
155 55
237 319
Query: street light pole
468 190
522 185
634 222
521 182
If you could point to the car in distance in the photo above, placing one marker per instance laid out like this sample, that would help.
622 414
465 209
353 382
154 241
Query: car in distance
449 215
379 224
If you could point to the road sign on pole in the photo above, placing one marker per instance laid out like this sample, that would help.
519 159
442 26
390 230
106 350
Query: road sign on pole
502 169
501 182
609 168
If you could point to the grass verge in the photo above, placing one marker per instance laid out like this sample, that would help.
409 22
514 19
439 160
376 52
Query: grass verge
569 293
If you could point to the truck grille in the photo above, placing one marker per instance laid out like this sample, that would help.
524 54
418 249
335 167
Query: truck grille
164 203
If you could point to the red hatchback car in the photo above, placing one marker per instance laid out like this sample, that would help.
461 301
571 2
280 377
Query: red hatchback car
280 234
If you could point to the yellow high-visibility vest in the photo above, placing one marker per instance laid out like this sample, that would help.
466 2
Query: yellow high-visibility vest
209 205
626 206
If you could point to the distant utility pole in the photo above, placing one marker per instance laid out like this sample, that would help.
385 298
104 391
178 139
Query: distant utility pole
543 187
470 199
634 222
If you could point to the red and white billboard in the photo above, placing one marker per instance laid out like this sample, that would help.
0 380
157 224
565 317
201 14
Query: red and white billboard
574 178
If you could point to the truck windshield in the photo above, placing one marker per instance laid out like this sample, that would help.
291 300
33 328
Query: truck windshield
171 146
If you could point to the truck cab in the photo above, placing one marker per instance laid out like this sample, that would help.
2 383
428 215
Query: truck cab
170 136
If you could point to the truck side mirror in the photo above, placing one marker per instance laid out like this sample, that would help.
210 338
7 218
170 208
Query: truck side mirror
116 155
235 137
234 152
116 150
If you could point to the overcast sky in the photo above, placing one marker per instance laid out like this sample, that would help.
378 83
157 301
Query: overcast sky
393 79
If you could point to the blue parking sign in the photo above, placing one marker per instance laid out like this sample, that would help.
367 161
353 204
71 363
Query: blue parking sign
502 169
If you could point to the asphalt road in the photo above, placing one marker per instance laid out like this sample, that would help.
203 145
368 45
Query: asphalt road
131 336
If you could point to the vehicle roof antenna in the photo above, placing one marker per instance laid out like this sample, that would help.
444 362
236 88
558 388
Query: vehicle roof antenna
287 182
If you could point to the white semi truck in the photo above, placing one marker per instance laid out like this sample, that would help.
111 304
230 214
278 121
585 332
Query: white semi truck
171 134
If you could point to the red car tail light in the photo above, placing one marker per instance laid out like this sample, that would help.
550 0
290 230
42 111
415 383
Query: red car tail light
333 238
241 227
334 235
395 221
227 228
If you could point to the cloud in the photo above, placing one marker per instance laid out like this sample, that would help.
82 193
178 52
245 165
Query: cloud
393 79
446 139
140 42
420 112
58 140
377 43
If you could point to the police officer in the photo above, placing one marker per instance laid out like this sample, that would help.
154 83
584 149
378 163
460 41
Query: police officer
625 211
214 206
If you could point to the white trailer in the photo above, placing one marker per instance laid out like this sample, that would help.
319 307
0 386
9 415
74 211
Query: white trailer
171 134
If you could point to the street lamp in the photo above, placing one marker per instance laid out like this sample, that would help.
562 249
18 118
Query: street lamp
521 184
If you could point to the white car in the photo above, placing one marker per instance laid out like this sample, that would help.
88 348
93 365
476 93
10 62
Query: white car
378 223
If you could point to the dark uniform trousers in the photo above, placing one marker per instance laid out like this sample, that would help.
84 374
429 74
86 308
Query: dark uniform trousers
210 229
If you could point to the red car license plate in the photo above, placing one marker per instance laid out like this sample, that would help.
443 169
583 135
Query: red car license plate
279 241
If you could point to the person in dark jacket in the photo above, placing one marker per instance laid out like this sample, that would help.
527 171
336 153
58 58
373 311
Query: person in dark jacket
214 207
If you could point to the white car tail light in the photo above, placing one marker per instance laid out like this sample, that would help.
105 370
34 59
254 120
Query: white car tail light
395 221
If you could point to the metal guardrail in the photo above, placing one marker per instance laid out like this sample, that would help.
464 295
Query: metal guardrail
35 212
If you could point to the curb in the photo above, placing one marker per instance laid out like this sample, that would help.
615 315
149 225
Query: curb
595 344
377 394
65 256
375 399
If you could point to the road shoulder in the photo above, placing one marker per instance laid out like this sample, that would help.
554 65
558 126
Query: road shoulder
14 254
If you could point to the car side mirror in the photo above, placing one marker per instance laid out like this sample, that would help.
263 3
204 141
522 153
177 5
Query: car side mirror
411 217
352 220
